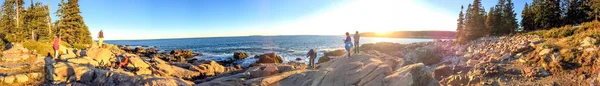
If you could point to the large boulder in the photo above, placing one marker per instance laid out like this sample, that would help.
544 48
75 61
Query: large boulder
84 60
21 78
445 71
335 53
9 79
360 70
420 74
323 59
101 55
169 70
139 50
137 62
182 53
339 52
239 55
211 69
269 58
428 55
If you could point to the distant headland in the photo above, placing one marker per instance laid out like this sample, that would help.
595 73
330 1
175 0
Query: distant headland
412 34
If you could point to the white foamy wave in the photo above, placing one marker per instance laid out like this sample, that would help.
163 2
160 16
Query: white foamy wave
214 57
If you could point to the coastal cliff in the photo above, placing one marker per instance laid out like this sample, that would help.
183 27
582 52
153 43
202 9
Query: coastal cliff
544 57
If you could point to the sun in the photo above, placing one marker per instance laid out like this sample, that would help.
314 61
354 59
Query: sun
382 33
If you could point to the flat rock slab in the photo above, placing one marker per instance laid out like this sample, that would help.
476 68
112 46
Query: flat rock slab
12 58
15 66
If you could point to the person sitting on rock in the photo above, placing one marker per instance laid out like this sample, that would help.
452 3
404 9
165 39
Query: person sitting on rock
311 61
348 42
123 62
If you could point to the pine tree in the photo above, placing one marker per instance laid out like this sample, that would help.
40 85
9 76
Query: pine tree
576 12
547 14
509 18
8 14
71 26
594 5
527 19
11 20
475 26
491 22
460 26
35 19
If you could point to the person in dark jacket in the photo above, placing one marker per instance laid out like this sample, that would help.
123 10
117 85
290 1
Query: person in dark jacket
312 55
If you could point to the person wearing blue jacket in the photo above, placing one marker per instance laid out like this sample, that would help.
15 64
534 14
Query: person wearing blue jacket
348 42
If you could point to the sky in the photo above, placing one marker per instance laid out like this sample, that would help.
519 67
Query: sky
159 19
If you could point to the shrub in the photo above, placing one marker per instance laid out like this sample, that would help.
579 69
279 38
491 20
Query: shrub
80 46
41 48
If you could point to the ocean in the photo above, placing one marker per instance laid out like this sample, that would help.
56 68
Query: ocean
288 47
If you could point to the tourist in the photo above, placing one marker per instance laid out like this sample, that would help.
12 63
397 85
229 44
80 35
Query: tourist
311 61
348 42
56 46
356 40
100 38
123 62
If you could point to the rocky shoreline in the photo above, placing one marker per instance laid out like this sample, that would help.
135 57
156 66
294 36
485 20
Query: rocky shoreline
511 60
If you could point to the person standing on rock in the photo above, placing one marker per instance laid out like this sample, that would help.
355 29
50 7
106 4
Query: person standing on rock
312 55
56 46
348 42
100 38
356 40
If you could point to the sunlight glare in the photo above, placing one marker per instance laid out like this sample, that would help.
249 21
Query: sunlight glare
370 16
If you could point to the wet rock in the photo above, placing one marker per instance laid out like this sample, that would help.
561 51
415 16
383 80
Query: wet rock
182 53
239 55
269 58
588 41
139 50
